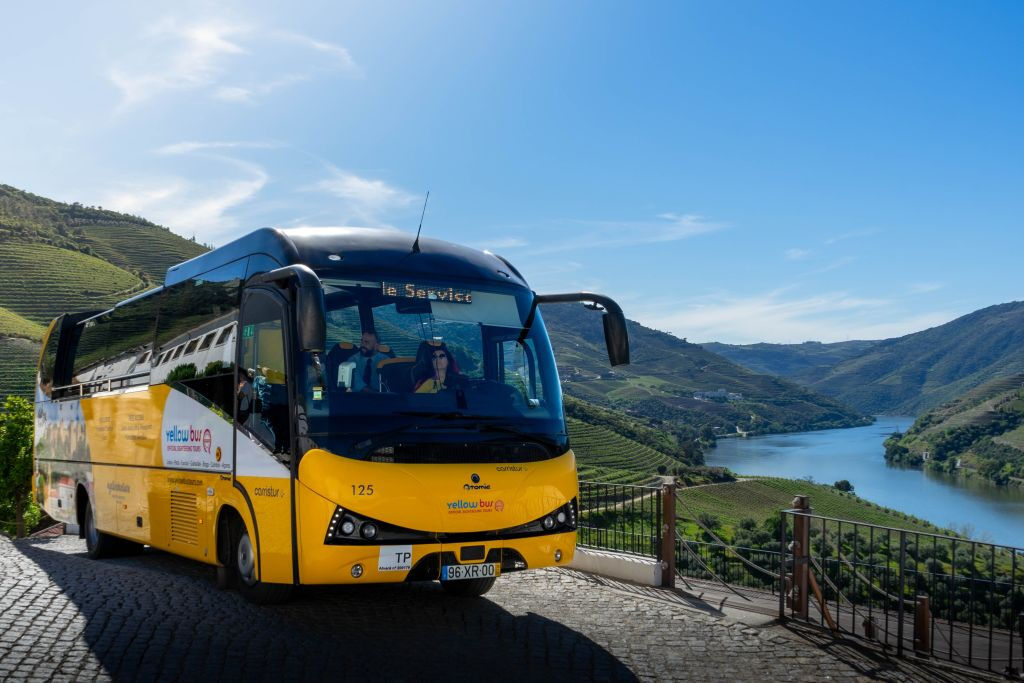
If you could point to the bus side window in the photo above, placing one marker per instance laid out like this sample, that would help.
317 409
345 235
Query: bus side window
263 380
517 368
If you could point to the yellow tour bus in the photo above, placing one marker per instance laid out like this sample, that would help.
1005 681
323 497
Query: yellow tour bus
318 406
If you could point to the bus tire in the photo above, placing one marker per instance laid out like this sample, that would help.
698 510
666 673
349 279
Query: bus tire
243 558
97 544
469 588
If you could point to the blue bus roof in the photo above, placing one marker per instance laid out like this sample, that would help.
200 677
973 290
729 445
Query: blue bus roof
356 251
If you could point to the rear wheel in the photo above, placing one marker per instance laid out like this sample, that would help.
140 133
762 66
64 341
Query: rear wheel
469 588
244 566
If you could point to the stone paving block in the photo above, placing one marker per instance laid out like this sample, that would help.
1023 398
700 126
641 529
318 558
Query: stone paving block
157 616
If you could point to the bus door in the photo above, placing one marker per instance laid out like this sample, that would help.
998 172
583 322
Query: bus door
263 439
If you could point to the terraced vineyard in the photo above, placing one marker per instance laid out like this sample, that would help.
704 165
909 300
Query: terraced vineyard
38 281
608 475
148 249
602 449
762 497
17 367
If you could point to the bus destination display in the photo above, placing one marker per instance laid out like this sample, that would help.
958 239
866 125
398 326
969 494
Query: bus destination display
411 290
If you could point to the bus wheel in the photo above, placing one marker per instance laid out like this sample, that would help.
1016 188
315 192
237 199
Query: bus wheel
97 544
251 588
469 588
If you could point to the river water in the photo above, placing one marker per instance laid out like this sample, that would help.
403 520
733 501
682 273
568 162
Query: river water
991 513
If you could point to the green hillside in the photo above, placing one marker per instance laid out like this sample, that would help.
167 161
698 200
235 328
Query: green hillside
666 372
57 257
596 446
802 363
18 358
979 434
902 376
120 245
39 281
14 325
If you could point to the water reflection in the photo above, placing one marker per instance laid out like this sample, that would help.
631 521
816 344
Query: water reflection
993 513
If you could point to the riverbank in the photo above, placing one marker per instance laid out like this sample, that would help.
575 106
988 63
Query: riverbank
968 505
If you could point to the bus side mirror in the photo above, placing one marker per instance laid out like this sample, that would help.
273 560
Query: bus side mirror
616 338
310 315
310 308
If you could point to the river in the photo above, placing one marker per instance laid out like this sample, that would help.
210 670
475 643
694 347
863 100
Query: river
990 513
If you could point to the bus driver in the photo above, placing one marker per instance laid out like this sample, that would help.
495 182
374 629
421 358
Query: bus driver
365 376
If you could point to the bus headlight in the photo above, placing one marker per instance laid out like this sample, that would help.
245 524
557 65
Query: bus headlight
548 523
348 527
368 531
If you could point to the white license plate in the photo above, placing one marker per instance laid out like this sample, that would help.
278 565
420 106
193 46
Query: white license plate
455 572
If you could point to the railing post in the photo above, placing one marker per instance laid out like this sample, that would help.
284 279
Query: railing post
668 536
900 604
922 626
801 553
783 575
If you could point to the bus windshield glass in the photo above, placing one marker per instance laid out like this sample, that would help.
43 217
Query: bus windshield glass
433 371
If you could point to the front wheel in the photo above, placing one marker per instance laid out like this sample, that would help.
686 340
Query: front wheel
251 588
469 588
97 544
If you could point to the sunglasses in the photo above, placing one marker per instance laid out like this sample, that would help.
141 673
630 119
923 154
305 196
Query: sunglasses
438 356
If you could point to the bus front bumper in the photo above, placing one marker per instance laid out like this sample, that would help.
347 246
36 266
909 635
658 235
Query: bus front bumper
339 564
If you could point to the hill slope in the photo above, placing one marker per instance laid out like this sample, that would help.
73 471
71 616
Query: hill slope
904 375
666 372
802 363
57 257
979 433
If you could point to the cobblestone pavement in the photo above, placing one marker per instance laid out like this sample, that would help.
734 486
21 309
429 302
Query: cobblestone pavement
159 617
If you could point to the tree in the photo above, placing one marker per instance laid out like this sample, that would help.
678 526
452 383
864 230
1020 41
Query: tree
844 485
16 457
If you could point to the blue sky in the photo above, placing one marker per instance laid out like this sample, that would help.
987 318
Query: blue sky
734 172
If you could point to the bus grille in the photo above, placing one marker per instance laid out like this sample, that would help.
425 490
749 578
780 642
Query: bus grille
184 524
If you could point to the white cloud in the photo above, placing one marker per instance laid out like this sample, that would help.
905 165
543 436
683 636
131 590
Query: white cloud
182 58
608 234
187 206
839 263
851 235
249 94
925 287
192 146
797 254
341 56
501 243
200 56
777 316
364 199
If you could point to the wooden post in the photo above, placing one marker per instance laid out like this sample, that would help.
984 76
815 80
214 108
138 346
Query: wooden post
668 536
922 626
801 554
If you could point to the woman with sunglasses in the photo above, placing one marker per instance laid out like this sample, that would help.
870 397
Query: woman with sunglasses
435 369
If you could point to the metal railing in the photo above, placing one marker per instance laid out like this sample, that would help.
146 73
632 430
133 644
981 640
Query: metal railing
620 517
939 596
709 561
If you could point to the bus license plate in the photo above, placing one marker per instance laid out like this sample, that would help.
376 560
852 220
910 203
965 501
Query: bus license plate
455 572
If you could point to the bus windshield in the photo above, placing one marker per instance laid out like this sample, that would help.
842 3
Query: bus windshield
433 371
